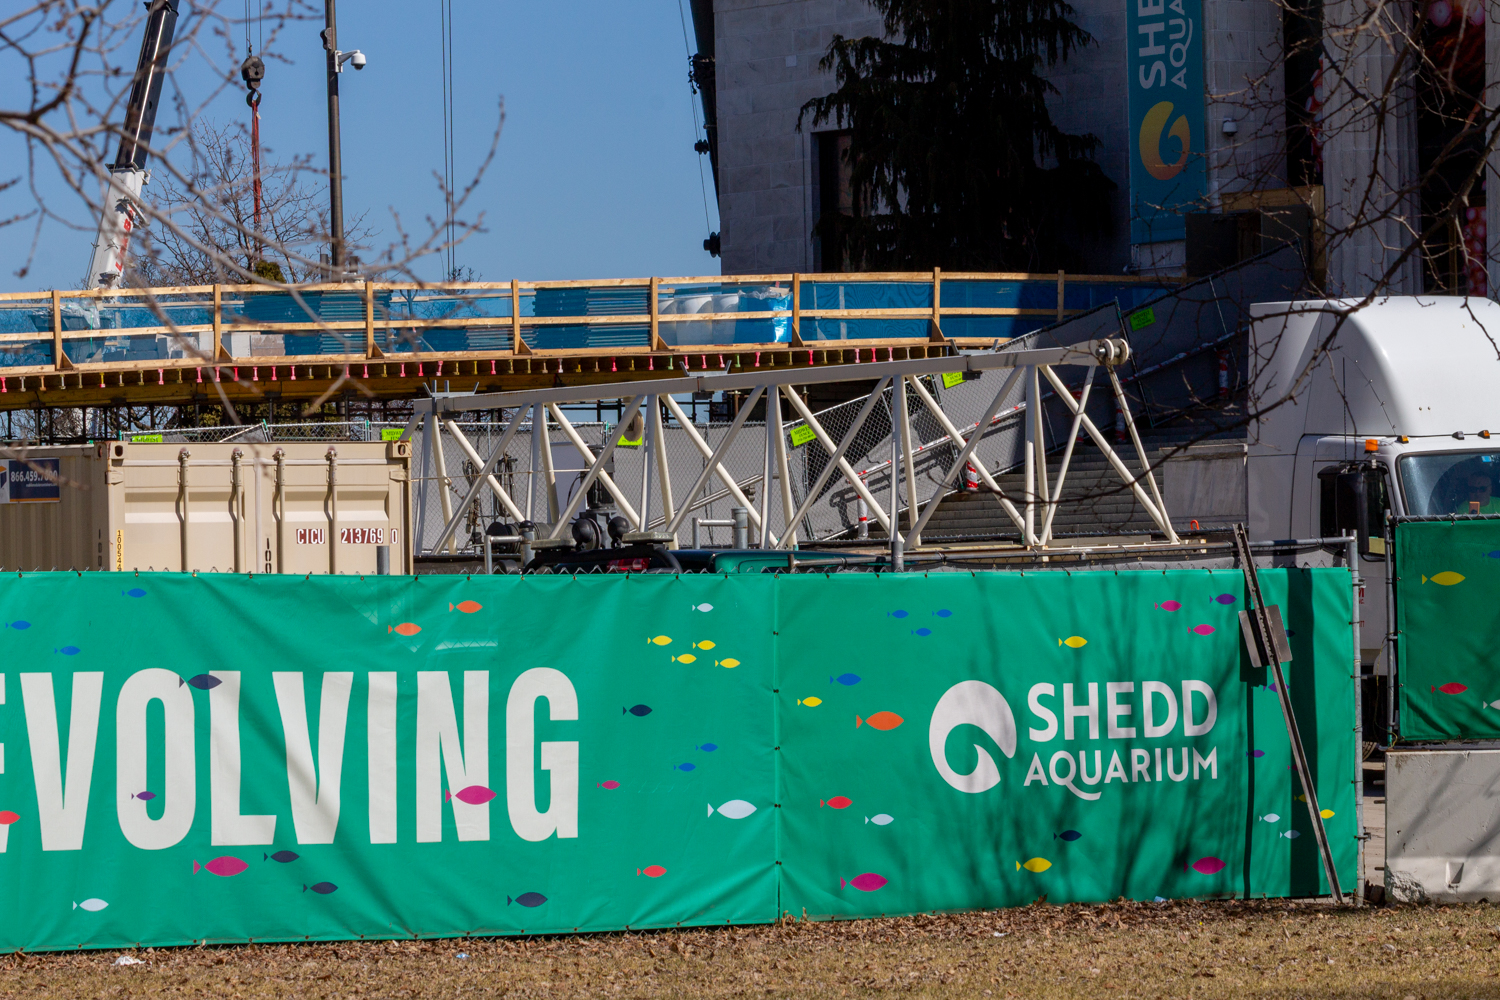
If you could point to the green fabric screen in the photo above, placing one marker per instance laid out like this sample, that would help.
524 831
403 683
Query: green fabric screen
1144 837
220 759
1447 582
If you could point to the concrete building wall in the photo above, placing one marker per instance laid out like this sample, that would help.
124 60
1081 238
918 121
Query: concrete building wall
767 68
767 54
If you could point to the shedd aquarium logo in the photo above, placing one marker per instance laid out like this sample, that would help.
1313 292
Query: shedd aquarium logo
1158 705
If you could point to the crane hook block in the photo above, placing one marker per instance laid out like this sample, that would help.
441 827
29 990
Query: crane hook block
252 71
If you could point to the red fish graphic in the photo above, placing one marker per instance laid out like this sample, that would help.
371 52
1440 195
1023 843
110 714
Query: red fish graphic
405 628
837 802
651 871
467 607
1453 687
880 720
474 795
223 867
868 882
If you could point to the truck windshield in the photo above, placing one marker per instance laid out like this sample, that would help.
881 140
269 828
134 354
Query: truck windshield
1451 482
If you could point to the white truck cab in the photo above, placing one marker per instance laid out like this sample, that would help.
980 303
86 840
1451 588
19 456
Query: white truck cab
1364 408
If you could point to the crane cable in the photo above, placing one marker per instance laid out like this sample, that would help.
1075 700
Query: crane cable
702 184
253 71
445 28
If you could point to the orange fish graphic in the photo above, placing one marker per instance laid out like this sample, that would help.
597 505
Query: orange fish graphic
467 607
880 720
405 628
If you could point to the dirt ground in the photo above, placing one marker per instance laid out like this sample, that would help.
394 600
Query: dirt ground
1200 950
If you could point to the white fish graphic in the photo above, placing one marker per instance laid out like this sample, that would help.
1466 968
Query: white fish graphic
701 607
733 809
880 819
1271 817
1290 834
93 905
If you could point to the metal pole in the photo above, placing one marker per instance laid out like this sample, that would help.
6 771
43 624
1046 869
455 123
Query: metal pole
648 454
335 155
1044 493
741 529
183 500
549 470
1031 429
489 553
278 509
234 508
424 478
903 416
440 463
897 562
333 509
663 472
1262 620
1357 586
1392 637
772 399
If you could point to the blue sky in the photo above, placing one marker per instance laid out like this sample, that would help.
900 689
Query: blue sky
595 177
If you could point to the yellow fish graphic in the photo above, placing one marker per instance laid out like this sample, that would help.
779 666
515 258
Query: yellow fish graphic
684 658
812 702
1034 865
729 663
1302 798
705 644
1326 814
1075 641
660 640
1446 578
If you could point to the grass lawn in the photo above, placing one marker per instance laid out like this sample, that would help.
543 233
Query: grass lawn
1188 949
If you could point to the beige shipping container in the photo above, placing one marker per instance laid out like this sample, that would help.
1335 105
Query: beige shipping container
279 507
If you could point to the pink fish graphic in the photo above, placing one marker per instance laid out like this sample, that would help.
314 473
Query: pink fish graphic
474 795
1203 629
610 784
1170 605
223 867
1206 866
868 882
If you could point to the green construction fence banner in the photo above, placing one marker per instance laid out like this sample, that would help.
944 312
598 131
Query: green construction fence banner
218 759
1447 579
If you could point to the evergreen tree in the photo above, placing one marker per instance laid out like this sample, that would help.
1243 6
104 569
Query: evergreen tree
954 159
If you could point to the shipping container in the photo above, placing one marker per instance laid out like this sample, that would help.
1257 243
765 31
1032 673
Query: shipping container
289 507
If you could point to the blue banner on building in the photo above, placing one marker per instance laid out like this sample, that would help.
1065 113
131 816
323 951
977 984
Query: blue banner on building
1168 134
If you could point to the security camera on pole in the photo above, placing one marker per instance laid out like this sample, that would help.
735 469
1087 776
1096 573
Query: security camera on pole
336 60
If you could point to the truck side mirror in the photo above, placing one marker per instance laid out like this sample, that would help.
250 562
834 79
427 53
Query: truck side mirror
1352 498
